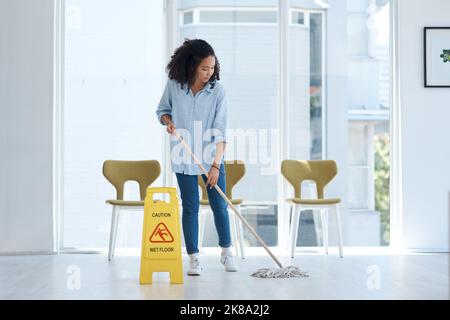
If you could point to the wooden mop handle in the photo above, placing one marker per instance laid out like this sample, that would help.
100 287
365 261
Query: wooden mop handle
261 241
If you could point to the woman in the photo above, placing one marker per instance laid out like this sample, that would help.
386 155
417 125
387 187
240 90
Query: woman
194 104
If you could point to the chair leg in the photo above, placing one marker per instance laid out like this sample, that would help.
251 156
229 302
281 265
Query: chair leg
324 218
233 231
294 228
112 232
291 208
341 251
116 227
240 232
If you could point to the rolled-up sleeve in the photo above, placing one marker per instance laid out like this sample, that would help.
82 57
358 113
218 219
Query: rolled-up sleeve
220 119
165 104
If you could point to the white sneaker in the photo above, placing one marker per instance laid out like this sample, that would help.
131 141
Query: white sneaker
227 260
194 266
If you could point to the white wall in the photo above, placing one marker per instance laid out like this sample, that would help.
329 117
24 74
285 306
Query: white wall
426 132
336 110
26 103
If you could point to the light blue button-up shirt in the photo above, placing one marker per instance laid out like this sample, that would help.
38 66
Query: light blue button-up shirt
201 120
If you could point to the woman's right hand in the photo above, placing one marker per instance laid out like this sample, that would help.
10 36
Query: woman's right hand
171 128
167 120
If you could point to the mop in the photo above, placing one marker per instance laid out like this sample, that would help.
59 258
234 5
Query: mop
280 272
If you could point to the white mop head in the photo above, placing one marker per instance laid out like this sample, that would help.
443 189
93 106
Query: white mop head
288 272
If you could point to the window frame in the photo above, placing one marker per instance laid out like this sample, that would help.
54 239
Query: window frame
197 10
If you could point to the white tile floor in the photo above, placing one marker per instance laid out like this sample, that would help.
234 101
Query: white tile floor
411 276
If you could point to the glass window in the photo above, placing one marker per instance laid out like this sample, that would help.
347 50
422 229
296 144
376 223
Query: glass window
369 92
316 84
248 57
237 16
306 98
188 17
339 108
111 92
365 137
251 83
357 34
298 17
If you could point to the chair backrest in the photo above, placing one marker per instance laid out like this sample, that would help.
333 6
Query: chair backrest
297 171
234 171
143 172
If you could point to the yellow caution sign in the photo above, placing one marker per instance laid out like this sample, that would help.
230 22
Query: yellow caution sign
161 241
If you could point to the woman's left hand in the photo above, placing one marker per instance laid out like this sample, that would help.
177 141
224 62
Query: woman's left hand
213 176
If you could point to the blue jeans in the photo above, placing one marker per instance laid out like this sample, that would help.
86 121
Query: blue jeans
190 199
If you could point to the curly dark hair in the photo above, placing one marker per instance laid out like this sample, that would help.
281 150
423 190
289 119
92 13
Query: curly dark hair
187 58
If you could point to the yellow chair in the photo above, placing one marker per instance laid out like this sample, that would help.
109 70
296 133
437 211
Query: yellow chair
118 172
321 172
234 172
